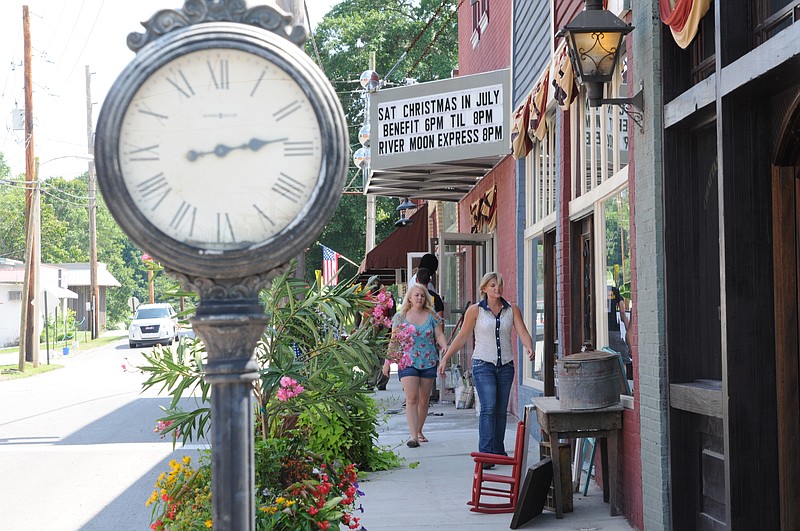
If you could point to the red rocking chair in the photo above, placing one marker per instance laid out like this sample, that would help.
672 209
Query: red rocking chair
485 483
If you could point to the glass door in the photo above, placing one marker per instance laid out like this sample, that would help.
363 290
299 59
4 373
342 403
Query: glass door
463 259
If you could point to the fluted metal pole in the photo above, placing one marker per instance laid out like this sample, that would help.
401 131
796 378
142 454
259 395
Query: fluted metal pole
230 330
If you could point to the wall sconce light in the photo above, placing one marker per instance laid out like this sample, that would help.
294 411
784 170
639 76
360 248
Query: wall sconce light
594 39
403 208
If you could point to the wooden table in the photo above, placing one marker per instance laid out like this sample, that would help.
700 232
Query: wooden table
559 423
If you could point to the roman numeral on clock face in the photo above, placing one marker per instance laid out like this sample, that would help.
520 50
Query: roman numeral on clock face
264 215
181 84
157 116
283 112
144 153
289 188
298 149
185 215
219 74
154 189
224 228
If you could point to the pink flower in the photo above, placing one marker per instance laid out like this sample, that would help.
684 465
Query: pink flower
289 389
379 316
404 336
161 427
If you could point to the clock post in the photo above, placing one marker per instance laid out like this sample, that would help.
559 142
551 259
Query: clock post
221 150
230 322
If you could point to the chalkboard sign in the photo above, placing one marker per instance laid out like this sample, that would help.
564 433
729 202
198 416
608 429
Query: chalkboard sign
534 492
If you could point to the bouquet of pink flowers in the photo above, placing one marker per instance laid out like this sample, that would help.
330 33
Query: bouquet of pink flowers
380 313
402 345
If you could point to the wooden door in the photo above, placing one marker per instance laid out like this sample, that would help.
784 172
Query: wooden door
786 255
582 276
550 312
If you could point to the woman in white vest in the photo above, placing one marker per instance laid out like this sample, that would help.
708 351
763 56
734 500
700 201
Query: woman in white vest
492 320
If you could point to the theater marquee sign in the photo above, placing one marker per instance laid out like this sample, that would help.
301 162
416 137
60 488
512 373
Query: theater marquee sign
441 121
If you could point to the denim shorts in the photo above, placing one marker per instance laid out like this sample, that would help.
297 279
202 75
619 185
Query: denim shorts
429 373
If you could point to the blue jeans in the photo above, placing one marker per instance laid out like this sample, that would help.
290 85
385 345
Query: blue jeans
493 385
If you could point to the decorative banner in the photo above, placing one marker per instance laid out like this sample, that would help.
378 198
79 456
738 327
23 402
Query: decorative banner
537 124
453 119
683 18
483 212
564 79
521 143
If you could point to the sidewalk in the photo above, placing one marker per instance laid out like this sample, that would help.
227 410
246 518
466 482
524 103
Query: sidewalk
433 495
56 351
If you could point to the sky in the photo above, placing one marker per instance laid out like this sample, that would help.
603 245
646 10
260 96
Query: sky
66 36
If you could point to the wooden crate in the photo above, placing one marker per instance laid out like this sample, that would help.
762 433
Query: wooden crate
565 457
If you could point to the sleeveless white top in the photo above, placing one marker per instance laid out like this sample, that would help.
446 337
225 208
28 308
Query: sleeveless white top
493 334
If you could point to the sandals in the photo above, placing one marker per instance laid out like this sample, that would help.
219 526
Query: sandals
412 443
422 438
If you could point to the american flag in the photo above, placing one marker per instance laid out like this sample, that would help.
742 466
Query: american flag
330 266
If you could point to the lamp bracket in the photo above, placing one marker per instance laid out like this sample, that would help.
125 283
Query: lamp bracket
632 106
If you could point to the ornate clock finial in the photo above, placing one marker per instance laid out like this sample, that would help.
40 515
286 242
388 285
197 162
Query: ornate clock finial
268 17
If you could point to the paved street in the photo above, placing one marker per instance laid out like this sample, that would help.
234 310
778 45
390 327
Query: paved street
77 447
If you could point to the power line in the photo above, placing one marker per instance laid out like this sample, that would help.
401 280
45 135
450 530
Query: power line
433 40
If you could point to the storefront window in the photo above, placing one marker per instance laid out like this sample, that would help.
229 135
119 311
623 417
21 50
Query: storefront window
533 312
601 145
618 300
537 371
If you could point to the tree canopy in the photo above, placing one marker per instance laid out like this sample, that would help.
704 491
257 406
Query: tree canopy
426 31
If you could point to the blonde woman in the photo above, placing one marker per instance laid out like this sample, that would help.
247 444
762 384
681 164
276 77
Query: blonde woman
418 377
492 320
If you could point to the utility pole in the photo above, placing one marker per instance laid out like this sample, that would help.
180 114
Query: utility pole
28 339
94 298
371 208
295 8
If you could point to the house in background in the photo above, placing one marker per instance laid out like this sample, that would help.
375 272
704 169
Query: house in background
79 277
54 294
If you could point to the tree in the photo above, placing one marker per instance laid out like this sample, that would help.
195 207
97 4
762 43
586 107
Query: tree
345 38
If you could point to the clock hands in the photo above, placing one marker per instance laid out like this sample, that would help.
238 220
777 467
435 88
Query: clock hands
222 150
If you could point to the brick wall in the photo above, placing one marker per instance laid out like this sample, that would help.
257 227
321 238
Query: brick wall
503 175
650 339
493 50
562 273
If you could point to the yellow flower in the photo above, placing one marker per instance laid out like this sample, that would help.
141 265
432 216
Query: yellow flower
290 503
173 463
208 524
280 500
186 460
162 476
153 497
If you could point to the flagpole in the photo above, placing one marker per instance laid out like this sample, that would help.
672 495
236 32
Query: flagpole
341 256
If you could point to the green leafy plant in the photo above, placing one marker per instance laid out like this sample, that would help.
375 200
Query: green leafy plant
315 419
181 499
299 490
56 329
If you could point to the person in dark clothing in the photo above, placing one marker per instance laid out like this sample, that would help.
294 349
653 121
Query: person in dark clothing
429 262
424 278
617 339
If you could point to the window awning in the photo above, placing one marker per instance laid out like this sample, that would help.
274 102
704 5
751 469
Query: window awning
448 181
390 255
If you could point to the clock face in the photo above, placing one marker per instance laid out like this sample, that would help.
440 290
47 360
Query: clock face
220 149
